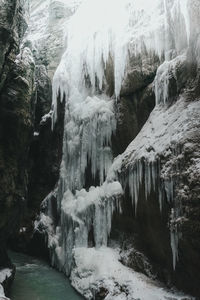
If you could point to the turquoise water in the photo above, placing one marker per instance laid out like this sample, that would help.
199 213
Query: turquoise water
35 280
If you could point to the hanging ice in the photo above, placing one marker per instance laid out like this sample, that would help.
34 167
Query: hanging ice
102 35
104 32
95 35
87 139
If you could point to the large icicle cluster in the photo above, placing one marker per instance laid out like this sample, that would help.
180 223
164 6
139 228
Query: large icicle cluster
85 215
89 126
159 26
85 221
98 35
94 33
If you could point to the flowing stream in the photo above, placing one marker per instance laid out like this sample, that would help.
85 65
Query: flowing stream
36 280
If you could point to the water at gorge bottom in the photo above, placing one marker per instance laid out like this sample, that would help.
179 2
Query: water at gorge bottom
36 280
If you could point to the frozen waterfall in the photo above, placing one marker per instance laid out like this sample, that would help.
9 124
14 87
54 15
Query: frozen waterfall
102 35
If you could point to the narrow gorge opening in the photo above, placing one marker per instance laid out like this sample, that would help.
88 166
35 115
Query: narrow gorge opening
99 152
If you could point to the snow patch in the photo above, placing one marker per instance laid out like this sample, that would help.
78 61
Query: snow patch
100 268
4 274
162 135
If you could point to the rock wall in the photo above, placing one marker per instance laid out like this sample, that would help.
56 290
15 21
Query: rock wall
167 149
45 146
30 151
16 117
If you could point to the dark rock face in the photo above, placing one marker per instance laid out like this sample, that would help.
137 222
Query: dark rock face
134 259
146 235
188 193
12 28
43 95
29 163
45 153
16 127
30 152
45 158
16 119
140 73
132 112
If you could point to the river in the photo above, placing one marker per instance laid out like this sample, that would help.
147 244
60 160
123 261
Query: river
36 280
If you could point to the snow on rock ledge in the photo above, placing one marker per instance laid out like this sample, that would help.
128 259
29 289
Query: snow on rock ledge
99 272
165 127
156 156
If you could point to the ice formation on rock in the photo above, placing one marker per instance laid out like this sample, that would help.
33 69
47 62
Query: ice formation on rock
162 135
45 34
100 268
85 220
104 34
89 126
98 34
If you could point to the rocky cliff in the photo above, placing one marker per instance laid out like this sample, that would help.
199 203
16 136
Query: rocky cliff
127 190
25 96
17 84
154 79
44 147
160 175
16 120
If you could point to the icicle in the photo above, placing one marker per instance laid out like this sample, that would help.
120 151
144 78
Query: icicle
146 180
136 190
174 238
160 197
87 140
154 174
169 189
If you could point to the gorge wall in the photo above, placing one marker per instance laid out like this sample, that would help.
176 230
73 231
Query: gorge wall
119 173
17 84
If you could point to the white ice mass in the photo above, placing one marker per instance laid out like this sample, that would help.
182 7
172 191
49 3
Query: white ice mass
4 274
99 35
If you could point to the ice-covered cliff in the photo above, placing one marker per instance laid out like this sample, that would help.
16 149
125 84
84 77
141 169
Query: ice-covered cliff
119 58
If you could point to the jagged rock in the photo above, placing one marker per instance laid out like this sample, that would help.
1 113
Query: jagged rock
43 169
16 119
133 111
134 259
46 144
12 28
16 126
43 95
140 73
